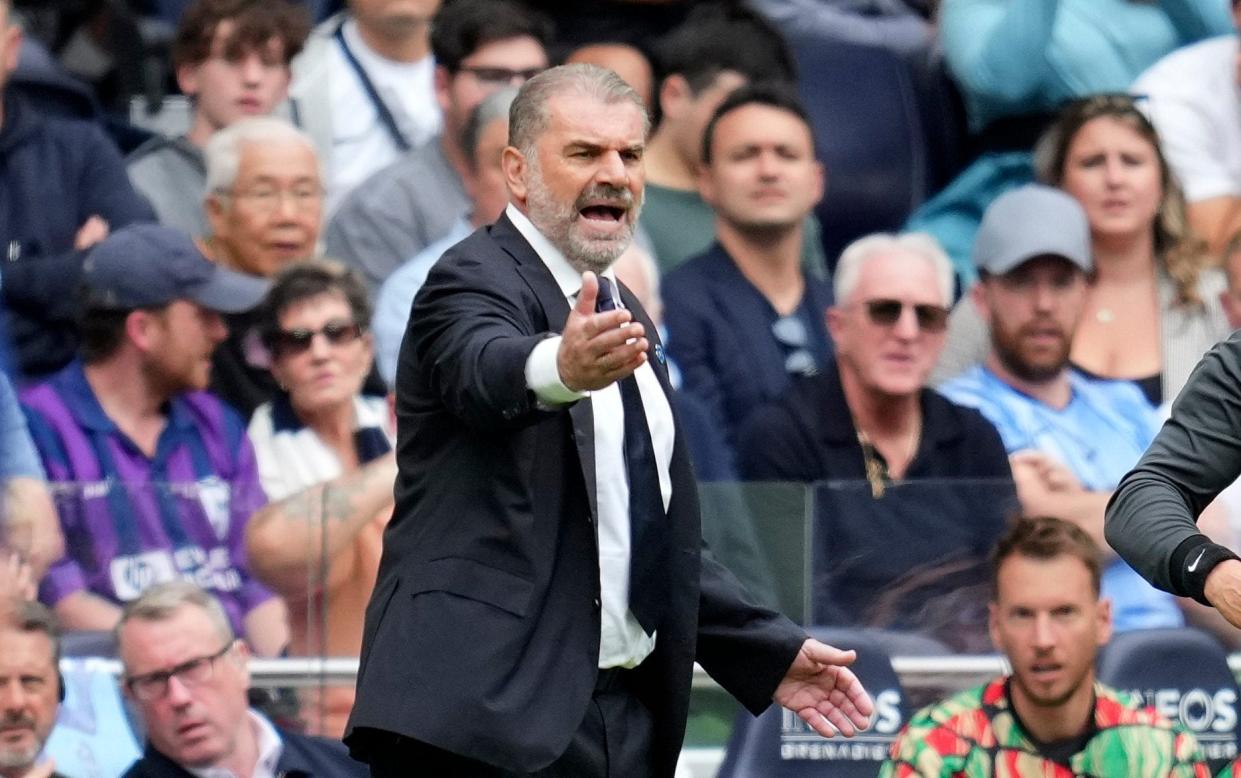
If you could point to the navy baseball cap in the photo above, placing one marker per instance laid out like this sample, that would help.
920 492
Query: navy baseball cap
147 265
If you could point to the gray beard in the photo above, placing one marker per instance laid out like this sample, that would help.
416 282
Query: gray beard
556 222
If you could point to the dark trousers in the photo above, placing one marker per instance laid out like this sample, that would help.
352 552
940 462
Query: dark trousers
613 741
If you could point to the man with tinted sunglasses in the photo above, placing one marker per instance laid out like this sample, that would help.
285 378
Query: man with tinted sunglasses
868 418
1070 439
158 476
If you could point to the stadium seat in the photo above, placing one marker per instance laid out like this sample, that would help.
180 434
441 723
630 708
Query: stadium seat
868 133
1184 674
778 744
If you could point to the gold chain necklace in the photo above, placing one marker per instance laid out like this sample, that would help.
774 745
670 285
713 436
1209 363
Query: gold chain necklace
877 474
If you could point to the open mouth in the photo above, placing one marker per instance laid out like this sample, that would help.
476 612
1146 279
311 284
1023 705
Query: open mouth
603 213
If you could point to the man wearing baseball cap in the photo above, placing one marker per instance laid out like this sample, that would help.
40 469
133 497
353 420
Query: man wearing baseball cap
1070 439
159 477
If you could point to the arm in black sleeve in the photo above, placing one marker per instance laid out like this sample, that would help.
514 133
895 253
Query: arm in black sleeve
1151 517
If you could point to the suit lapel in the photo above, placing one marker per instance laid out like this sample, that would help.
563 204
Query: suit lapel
556 310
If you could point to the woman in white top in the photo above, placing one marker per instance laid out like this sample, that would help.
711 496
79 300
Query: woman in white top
325 460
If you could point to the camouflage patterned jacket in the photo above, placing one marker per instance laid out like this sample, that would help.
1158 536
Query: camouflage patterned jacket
975 735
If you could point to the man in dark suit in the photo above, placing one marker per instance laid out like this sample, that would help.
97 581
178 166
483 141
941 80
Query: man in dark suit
543 594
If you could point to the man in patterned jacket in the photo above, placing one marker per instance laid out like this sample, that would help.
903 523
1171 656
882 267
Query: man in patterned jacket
1049 718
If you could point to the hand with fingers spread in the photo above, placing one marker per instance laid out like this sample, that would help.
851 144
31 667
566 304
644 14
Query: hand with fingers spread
597 349
820 688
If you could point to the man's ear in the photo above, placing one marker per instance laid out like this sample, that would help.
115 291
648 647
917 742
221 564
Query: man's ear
213 206
138 325
442 80
187 79
706 185
515 167
674 96
981 299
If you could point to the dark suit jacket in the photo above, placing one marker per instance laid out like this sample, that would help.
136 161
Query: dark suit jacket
719 335
303 757
482 636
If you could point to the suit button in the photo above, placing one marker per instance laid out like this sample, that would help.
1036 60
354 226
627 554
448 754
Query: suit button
598 605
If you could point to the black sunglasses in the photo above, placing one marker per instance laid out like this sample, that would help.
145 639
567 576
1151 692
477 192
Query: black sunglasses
885 313
292 342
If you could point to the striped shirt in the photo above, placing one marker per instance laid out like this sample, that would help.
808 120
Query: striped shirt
130 520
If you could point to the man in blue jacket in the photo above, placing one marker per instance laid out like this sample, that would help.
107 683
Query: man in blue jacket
62 189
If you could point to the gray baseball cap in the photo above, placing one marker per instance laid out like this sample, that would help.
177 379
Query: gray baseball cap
146 265
1028 222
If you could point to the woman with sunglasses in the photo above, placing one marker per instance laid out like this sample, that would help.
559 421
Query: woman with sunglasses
325 459
1153 307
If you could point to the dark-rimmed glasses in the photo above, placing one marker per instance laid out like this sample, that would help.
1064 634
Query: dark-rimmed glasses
501 76
296 341
885 313
149 687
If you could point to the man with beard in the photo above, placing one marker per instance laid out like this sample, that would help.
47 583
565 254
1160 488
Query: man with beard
1070 439
30 689
158 477
543 592
1050 716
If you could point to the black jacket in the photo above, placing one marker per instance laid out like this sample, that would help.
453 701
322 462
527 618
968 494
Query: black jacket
303 757
482 635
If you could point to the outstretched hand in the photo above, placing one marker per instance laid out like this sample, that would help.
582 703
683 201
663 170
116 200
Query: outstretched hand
821 689
597 349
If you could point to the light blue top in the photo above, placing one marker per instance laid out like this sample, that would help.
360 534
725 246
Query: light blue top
396 298
18 456
1099 436
1012 57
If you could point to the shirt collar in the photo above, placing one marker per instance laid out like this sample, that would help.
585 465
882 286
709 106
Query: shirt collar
567 278
80 398
269 746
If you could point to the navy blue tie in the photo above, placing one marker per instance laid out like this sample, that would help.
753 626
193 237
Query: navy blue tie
648 522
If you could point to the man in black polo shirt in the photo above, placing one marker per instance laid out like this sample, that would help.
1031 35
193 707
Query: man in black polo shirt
868 420
868 416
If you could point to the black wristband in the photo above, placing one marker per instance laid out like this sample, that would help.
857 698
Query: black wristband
1196 564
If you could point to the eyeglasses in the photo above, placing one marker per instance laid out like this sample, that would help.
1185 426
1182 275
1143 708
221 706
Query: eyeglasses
885 313
501 76
267 199
152 686
292 342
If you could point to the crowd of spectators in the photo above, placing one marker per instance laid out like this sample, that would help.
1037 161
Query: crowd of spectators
201 326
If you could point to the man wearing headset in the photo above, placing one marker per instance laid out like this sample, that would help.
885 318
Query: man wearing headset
30 688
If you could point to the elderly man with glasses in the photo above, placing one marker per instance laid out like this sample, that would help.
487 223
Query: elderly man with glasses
264 206
187 674
867 418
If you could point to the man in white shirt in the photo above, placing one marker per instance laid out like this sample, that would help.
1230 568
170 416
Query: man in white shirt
187 674
364 88
1194 100
556 628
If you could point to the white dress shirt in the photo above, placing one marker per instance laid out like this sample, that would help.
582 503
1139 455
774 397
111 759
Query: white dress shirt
623 642
269 747
361 144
